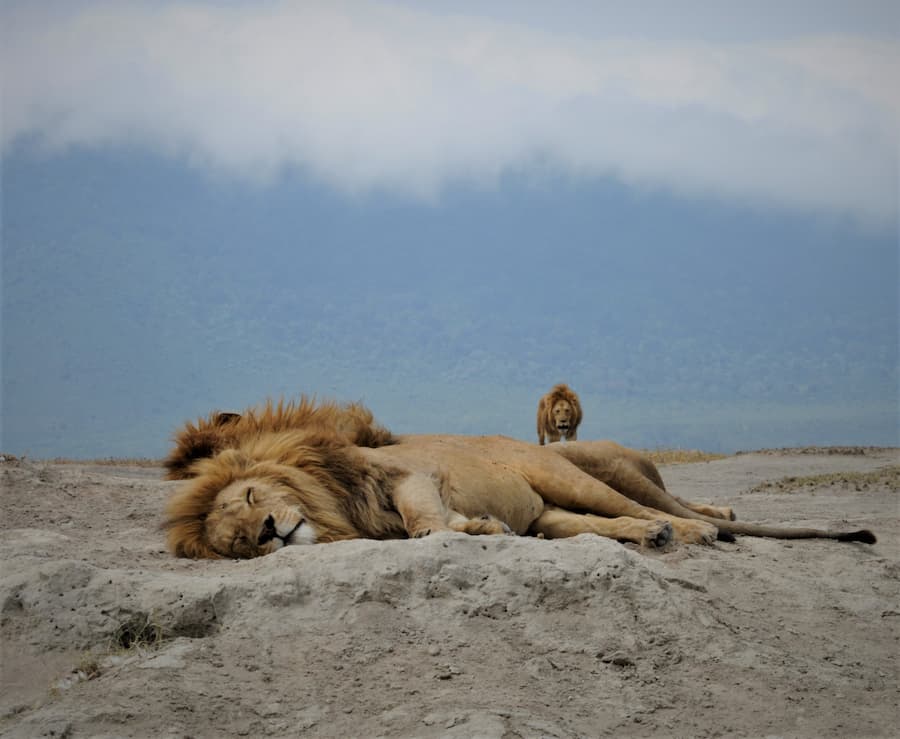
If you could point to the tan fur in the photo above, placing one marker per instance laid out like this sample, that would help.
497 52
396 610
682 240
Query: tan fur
273 488
558 414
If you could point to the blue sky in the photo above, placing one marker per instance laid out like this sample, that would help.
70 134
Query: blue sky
719 180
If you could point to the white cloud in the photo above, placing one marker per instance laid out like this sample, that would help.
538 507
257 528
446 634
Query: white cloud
368 95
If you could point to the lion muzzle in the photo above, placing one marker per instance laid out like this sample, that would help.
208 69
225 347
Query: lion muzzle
270 531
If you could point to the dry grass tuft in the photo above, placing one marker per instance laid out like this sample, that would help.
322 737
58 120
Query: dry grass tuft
140 632
112 461
88 668
680 456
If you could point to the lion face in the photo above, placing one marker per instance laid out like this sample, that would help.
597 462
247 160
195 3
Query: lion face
562 415
253 517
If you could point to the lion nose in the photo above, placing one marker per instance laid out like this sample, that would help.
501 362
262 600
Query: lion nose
268 531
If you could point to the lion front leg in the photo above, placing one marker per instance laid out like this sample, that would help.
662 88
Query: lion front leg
418 500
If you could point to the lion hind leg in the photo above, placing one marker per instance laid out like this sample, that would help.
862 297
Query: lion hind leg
556 523
713 511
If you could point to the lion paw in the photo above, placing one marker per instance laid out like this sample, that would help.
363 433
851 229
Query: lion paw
695 532
659 534
484 526
723 512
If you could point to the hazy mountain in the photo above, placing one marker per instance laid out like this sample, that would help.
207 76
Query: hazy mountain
137 293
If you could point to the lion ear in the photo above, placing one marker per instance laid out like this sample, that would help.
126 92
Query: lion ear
226 417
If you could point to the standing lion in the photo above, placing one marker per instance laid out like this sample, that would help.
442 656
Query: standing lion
558 414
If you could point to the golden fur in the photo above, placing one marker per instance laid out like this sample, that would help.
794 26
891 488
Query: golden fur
352 422
262 488
558 414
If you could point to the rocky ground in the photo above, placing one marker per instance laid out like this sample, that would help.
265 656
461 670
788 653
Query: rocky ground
104 634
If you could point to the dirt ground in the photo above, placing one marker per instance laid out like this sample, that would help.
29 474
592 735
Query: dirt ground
104 634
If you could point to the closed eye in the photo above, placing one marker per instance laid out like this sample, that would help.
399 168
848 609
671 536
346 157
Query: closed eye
249 496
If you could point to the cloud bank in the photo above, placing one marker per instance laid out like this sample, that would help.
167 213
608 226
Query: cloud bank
373 96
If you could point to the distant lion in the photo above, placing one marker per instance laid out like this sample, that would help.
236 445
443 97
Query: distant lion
305 474
558 414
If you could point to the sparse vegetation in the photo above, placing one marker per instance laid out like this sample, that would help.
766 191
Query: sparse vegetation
856 451
112 461
139 632
88 668
680 456
886 477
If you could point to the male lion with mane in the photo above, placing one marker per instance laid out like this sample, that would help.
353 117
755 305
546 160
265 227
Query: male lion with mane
558 414
306 473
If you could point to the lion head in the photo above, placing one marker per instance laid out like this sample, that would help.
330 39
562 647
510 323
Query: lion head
559 414
279 489
562 415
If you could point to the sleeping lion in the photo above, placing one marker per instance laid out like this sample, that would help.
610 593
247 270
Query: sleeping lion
304 473
558 414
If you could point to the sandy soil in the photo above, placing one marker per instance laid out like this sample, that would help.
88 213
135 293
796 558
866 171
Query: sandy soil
105 634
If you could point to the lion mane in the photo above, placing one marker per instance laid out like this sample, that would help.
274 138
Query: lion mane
558 414
352 422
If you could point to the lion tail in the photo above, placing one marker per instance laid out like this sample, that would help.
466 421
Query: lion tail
779 532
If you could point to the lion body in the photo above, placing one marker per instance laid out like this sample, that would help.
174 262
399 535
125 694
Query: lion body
558 415
267 488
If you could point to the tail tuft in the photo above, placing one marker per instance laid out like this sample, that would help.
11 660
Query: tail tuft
863 535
